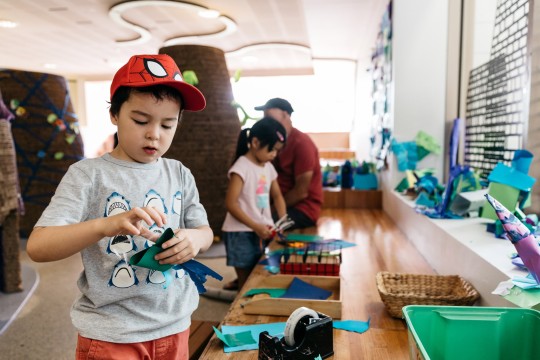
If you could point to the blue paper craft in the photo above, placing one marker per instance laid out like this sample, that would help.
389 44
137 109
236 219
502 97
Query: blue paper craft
274 329
198 272
352 325
299 289
236 339
278 330
512 177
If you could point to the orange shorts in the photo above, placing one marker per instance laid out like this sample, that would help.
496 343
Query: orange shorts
173 347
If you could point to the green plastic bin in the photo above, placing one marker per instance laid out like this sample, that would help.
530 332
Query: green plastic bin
469 332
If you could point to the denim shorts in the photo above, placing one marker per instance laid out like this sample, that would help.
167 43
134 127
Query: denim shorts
243 249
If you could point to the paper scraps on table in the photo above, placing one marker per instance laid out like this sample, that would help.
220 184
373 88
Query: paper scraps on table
240 343
236 339
503 288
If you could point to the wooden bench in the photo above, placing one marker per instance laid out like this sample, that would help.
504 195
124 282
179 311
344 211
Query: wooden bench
200 333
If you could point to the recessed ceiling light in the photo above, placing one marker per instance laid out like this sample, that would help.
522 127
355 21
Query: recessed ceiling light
49 66
8 24
209 14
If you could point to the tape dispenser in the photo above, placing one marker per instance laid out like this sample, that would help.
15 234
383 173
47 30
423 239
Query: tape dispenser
308 335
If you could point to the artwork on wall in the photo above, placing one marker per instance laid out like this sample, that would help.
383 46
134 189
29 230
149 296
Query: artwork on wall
497 105
381 71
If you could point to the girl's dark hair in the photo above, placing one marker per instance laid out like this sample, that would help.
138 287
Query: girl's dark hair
159 92
268 130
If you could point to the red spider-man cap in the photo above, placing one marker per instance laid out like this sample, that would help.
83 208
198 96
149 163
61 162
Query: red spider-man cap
148 70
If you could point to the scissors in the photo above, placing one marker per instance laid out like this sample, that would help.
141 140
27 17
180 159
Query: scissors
282 224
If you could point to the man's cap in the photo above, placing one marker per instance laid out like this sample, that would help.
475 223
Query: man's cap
149 70
277 103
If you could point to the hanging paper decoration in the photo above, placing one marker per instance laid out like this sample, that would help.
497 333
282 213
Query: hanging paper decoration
14 104
51 118
20 111
70 138
59 155
190 77
41 154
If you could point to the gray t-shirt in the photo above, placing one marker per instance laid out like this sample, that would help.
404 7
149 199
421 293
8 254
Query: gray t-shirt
119 302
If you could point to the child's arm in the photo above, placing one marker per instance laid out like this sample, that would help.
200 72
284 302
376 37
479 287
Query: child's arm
231 202
185 245
278 200
53 243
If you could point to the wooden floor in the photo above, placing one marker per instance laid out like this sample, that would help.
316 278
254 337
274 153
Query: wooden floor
380 247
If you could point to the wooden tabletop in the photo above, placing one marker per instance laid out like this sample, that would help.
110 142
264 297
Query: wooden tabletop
380 246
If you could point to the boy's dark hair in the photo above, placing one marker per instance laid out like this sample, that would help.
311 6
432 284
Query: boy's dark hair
159 92
268 130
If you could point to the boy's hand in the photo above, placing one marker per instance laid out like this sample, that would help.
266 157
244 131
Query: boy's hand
179 249
130 222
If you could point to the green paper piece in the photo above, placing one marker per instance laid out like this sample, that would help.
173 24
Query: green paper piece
421 152
14 104
304 237
237 75
70 139
273 292
403 185
520 214
428 142
59 155
236 339
145 258
51 118
190 77
507 195
499 230
529 298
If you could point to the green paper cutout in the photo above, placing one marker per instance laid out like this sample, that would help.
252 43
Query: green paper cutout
428 142
507 195
59 155
421 152
529 298
403 185
145 258
190 77
236 339
70 139
273 292
51 118
304 237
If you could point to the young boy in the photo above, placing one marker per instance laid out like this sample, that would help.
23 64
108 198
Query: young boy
111 207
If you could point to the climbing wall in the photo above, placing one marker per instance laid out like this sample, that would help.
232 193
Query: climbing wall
45 133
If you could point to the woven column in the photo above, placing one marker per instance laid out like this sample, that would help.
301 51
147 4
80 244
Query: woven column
46 136
206 141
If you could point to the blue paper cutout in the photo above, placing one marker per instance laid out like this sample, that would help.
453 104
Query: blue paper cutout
299 289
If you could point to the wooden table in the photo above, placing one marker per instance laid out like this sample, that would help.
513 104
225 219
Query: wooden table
380 246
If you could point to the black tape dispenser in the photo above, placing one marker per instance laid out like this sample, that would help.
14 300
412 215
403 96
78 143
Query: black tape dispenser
308 335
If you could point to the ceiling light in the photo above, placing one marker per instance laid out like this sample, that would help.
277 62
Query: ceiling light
49 66
209 14
8 24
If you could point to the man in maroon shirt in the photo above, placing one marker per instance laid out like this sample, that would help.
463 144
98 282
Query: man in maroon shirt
298 167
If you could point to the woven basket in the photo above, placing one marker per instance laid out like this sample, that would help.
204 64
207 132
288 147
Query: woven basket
398 290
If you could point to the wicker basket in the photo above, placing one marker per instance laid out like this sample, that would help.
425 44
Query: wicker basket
398 290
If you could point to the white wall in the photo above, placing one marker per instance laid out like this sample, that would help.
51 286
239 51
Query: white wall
420 29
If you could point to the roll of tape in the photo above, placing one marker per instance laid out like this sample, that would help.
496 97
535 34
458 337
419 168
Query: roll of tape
293 320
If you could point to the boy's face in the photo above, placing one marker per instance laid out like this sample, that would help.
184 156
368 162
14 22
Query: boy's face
146 127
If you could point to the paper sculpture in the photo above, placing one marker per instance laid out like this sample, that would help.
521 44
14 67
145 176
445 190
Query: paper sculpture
523 240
